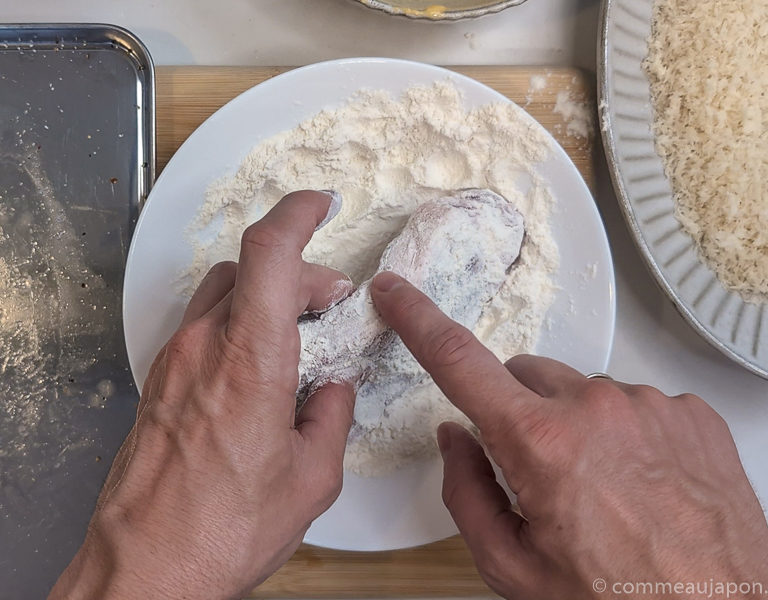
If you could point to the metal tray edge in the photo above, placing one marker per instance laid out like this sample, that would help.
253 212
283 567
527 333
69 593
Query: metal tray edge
139 53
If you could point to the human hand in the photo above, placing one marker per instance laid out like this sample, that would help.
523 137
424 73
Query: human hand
615 483
216 484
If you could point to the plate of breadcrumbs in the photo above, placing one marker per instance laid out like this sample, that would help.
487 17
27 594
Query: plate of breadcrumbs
684 116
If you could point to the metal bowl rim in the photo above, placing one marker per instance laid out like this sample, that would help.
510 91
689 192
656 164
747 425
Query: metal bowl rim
452 15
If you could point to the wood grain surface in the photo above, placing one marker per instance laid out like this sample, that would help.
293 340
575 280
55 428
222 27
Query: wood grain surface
186 96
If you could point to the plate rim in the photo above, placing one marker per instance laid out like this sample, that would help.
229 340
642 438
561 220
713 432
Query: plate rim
449 15
627 209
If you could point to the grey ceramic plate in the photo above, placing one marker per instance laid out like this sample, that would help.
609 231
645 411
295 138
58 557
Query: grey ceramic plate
736 328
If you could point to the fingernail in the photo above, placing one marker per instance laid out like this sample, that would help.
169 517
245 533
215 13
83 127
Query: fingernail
333 209
386 281
444 438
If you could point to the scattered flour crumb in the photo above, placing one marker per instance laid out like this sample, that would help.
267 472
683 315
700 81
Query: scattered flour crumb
577 115
571 305
588 274
602 109
536 84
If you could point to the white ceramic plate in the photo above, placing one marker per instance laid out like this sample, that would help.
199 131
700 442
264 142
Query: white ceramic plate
403 509
736 328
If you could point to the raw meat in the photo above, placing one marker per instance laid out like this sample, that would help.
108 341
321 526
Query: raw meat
458 250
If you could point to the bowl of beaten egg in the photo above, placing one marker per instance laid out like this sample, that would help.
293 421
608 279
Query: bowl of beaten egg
438 10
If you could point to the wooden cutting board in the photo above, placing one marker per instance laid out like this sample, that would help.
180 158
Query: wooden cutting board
186 96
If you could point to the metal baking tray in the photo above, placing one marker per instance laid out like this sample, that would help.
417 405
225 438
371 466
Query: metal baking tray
77 160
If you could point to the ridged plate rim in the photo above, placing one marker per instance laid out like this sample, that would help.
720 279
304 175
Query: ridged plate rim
720 316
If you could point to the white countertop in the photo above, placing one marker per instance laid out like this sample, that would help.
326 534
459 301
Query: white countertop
653 344
297 32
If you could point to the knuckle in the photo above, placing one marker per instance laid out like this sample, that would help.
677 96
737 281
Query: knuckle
335 482
605 405
184 345
602 395
235 353
693 401
456 492
719 421
448 346
646 391
116 516
209 409
260 237
701 409
162 419
328 480
547 440
266 365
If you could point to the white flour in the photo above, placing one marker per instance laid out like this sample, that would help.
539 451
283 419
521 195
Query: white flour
579 121
386 156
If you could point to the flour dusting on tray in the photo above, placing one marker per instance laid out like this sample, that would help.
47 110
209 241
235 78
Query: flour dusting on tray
387 156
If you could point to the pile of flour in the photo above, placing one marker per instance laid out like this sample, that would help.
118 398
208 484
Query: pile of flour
386 156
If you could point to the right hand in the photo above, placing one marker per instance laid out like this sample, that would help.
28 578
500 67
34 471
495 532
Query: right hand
615 483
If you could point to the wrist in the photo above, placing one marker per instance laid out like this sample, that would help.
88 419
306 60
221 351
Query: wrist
95 573
89 576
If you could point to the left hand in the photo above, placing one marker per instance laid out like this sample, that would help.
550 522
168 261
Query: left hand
217 483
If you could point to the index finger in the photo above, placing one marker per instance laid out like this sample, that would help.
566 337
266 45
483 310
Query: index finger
467 372
270 262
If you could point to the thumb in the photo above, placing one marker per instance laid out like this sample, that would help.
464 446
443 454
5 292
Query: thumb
483 511
323 424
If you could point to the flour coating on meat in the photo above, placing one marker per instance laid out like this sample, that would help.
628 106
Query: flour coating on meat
458 250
